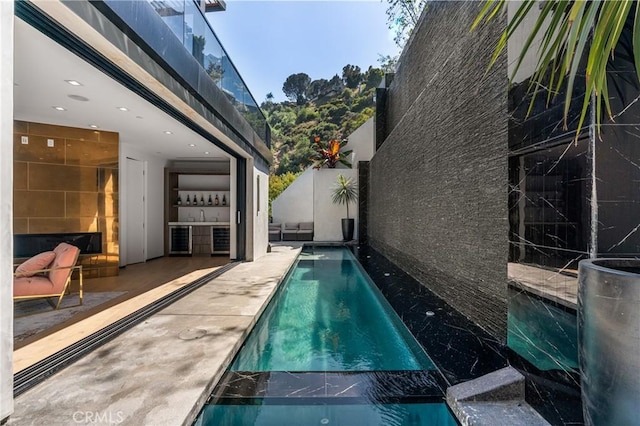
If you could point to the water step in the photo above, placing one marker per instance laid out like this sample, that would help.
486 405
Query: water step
382 387
494 399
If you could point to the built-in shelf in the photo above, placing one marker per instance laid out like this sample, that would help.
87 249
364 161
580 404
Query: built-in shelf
209 224
202 207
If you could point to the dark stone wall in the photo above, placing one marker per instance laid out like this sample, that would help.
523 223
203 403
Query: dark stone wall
438 184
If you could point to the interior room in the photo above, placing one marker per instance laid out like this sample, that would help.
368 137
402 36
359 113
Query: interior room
95 161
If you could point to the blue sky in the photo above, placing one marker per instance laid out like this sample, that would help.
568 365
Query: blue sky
270 40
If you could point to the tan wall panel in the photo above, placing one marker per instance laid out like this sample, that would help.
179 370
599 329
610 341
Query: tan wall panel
20 127
87 224
108 204
53 225
40 129
82 204
20 175
37 149
62 178
109 137
38 204
108 180
91 153
20 225
62 189
109 228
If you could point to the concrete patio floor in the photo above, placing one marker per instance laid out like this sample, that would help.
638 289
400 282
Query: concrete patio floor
161 371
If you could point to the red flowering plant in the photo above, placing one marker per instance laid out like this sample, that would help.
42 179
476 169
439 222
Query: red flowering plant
329 154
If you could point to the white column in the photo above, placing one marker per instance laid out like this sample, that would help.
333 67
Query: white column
6 209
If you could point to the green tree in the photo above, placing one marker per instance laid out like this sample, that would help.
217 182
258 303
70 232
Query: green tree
402 17
295 87
388 63
351 76
373 77
317 88
569 31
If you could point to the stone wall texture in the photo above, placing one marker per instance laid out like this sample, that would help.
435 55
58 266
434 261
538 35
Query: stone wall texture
438 183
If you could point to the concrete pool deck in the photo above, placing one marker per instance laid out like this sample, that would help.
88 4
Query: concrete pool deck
161 371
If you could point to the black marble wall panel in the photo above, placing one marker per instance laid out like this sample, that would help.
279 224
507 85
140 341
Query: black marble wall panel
617 158
438 185
618 191
363 200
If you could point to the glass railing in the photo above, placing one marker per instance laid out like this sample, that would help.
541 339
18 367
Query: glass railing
189 24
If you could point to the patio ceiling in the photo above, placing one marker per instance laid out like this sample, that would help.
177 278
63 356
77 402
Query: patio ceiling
42 69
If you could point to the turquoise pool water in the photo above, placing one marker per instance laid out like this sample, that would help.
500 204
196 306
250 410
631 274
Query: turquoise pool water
328 316
329 350
331 415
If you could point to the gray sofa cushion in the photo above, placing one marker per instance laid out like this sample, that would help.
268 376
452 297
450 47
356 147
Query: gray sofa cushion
307 226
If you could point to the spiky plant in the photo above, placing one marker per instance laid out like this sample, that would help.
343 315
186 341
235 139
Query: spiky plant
345 192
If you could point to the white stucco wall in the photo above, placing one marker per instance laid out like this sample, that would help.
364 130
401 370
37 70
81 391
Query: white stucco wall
361 142
6 209
518 39
308 198
154 219
295 204
327 216
260 213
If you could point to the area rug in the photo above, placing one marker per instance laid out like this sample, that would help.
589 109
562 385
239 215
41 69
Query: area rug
34 316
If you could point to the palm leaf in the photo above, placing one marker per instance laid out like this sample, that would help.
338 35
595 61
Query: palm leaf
565 29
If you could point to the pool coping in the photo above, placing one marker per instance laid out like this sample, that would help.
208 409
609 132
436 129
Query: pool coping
162 370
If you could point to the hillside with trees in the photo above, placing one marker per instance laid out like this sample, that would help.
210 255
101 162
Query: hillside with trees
329 108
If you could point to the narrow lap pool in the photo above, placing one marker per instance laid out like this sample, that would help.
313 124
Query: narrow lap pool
329 350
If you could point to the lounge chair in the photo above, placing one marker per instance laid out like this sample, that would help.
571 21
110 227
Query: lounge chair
275 232
305 231
290 232
35 279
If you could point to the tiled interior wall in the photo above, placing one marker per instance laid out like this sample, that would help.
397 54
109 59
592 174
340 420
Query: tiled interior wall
71 186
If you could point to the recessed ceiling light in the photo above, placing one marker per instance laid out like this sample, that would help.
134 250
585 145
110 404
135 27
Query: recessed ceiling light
167 132
59 108
74 82
192 144
123 108
93 126
206 152
78 98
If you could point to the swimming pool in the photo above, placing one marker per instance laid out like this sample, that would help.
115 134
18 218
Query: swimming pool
327 316
329 349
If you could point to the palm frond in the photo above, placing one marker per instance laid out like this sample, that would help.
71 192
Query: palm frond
570 32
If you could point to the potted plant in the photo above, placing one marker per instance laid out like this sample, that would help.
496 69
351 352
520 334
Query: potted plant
329 155
345 192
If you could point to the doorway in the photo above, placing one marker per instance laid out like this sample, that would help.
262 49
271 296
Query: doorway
135 210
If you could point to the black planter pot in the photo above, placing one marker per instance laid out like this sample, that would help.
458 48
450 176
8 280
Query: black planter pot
347 229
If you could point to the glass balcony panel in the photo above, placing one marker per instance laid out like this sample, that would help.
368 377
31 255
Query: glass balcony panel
232 85
187 22
172 13
213 53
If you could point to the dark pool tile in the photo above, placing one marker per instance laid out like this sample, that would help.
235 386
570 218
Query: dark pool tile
241 384
382 386
296 385
460 349
238 384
